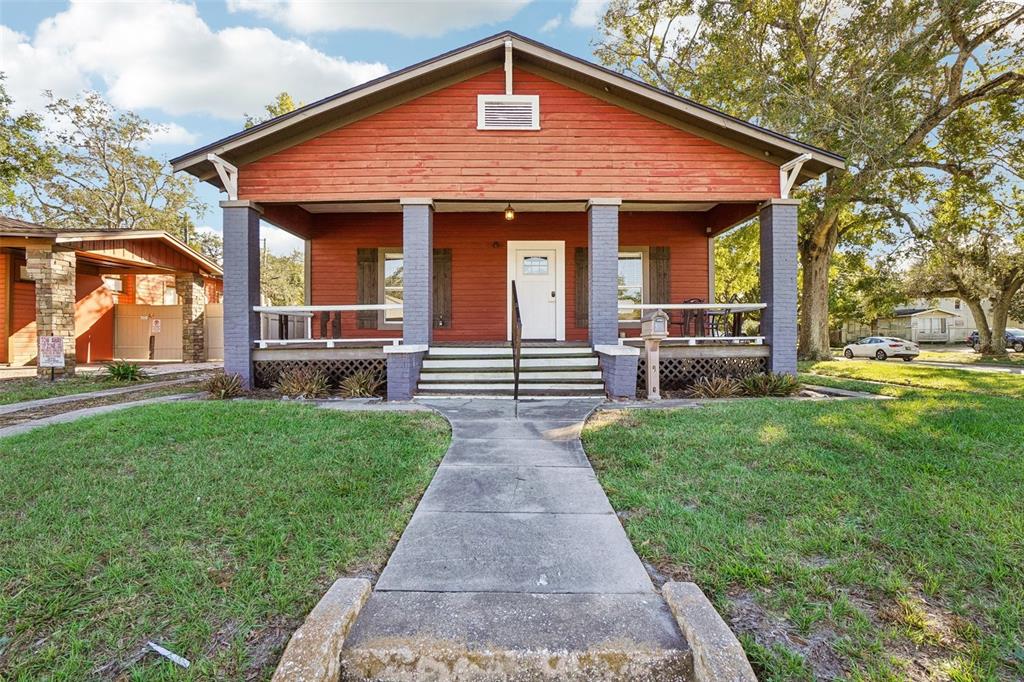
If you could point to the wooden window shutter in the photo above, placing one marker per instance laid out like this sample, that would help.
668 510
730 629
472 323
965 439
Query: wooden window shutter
442 288
582 288
660 275
367 282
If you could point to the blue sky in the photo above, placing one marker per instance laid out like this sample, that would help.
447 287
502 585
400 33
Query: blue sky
199 67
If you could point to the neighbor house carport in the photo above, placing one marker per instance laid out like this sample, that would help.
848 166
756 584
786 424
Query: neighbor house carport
64 283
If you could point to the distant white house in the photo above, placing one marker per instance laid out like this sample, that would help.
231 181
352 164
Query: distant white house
924 320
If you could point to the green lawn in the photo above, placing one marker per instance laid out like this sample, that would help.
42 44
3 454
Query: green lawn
860 538
31 388
1011 359
211 528
909 374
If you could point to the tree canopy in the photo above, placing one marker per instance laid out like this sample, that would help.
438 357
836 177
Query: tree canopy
868 79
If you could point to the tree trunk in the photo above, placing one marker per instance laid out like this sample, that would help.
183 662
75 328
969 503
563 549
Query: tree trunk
815 260
981 321
1000 312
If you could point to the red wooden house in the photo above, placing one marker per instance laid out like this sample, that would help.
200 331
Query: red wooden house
428 196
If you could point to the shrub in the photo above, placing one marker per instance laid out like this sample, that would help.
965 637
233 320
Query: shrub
119 370
302 382
363 383
771 384
223 386
715 387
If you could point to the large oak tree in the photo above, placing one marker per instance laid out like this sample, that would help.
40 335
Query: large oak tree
869 79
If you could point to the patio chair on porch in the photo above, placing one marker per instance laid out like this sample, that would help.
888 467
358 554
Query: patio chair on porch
690 322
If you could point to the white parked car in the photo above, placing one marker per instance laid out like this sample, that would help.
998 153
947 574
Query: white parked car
882 348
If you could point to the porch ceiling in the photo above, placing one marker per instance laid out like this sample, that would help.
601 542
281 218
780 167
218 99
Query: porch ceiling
499 206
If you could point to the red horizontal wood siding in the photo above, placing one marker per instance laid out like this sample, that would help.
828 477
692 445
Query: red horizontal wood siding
430 147
480 261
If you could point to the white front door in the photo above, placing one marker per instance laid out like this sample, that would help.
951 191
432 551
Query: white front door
538 269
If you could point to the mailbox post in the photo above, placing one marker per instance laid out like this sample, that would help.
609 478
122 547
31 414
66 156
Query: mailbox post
654 328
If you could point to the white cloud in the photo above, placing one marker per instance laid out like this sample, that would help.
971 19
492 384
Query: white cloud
551 24
162 55
279 242
586 13
172 133
405 17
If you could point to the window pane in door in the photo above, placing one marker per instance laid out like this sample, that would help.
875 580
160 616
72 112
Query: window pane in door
393 277
535 265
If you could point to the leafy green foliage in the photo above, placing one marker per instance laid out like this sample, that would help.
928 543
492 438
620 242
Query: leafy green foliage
223 386
768 384
21 154
122 370
281 105
210 527
364 383
870 80
99 177
302 382
715 387
282 278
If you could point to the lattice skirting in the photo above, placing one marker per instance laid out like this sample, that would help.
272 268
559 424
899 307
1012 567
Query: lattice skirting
679 373
268 371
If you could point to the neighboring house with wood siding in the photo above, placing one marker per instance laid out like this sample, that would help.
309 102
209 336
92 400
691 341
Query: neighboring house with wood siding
90 286
428 196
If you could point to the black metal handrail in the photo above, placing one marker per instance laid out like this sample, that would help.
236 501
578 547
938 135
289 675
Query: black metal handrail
517 341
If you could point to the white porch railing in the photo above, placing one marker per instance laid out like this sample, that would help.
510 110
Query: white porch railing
294 325
709 322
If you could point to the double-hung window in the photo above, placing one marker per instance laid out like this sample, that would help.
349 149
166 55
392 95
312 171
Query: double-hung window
631 282
391 286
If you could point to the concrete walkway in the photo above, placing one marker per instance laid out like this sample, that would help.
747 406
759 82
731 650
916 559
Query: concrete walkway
92 395
515 561
89 412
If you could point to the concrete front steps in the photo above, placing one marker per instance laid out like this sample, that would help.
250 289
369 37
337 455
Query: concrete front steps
492 636
570 371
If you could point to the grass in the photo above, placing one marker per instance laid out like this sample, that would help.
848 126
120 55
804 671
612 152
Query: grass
921 376
31 388
853 538
210 528
1010 360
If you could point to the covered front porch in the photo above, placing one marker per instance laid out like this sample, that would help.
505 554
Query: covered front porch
394 283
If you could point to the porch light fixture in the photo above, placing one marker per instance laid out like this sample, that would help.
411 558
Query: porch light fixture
510 213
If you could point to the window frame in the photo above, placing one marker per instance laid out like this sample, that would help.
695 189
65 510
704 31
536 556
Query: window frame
645 286
382 257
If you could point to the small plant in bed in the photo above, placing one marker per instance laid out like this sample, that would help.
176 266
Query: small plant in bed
770 384
223 386
302 382
715 387
119 370
364 383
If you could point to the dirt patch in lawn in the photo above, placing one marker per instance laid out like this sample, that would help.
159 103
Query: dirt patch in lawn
145 391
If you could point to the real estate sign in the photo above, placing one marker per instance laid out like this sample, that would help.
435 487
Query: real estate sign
51 351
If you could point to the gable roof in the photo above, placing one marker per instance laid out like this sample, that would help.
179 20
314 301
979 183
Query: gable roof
914 312
12 227
308 121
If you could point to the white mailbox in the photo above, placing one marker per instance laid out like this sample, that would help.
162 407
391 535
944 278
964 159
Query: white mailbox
654 325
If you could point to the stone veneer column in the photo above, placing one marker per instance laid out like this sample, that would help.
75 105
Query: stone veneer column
53 270
603 255
192 297
417 270
779 258
241 286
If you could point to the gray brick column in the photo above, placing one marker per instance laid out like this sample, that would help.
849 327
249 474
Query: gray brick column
417 270
53 271
192 297
241 286
603 255
779 258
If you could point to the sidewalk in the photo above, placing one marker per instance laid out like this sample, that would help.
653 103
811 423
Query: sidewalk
514 559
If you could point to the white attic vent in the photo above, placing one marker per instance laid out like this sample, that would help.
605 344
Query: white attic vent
508 112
